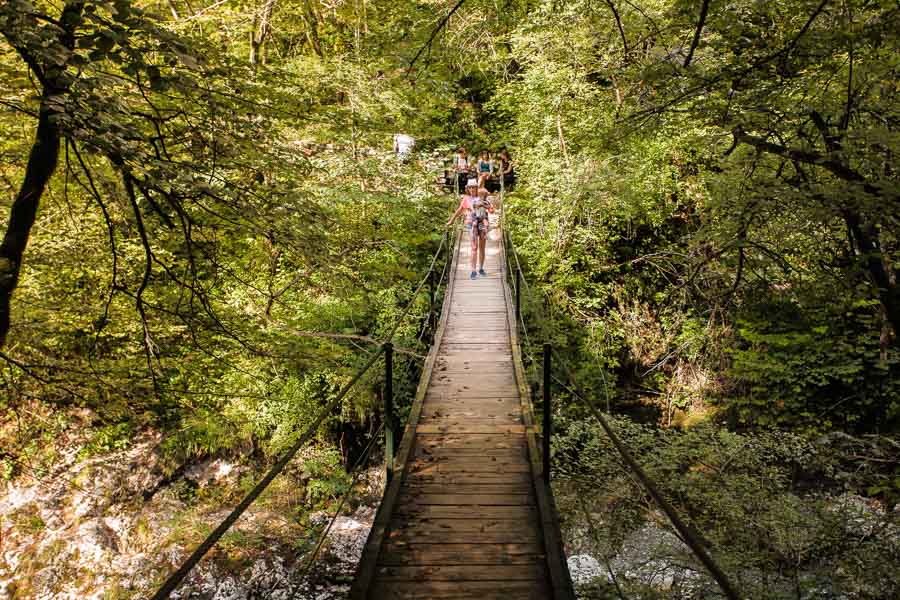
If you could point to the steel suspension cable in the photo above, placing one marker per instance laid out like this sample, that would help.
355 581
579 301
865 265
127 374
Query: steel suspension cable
690 536
178 576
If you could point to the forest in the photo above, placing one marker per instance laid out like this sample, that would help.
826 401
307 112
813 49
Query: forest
207 234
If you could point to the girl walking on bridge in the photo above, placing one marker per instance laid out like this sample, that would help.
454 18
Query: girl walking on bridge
476 206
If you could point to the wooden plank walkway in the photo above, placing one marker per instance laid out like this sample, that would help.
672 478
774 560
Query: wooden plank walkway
467 515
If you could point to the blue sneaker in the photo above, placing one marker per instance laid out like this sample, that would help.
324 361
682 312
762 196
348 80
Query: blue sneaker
482 273
473 275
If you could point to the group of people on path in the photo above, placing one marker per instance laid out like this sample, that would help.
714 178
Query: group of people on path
490 172
477 206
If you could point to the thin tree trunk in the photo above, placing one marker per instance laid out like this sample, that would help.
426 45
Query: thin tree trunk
174 10
311 19
869 248
41 164
42 159
259 32
563 149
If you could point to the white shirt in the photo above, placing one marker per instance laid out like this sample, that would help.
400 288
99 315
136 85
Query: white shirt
403 145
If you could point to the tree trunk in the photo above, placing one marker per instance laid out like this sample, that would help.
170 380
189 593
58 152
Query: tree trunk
43 157
311 19
259 33
869 248
41 164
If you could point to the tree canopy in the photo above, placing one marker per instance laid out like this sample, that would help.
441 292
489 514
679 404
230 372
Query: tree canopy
205 232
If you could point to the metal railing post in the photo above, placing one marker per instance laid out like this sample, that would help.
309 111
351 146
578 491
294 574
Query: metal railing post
389 409
548 421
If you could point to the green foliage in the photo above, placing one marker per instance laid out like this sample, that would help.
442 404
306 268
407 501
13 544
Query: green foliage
326 478
106 439
814 376
227 236
704 271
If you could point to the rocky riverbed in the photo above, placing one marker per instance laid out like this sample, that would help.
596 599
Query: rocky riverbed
114 526
652 558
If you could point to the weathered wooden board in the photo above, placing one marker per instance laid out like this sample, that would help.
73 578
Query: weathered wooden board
414 495
460 590
477 380
465 390
482 363
427 456
512 487
532 573
467 478
464 428
398 553
439 400
461 453
464 531
452 440
430 467
472 418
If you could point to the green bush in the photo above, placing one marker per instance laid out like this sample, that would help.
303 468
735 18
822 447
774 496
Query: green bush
815 372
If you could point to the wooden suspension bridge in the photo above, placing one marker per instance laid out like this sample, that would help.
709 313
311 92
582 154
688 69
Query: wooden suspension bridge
468 512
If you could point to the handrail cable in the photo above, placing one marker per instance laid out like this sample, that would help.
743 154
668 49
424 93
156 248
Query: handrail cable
175 579
688 534
418 289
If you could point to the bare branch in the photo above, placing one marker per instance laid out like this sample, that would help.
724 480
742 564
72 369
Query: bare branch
615 13
809 157
700 23
434 33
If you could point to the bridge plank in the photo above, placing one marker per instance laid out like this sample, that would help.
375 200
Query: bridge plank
532 572
525 517
473 488
397 553
424 467
450 440
468 478
460 590
414 496
472 402
458 447
474 428
464 531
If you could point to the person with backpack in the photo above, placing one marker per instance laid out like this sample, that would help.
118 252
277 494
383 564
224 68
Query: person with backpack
477 208
507 171
462 162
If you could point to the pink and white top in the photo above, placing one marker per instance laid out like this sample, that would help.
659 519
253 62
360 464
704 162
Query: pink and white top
467 203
